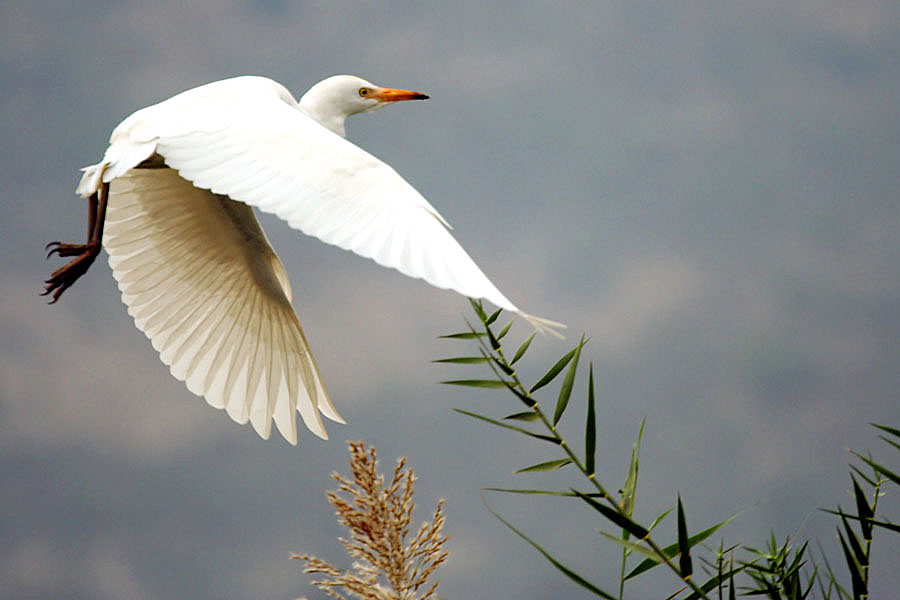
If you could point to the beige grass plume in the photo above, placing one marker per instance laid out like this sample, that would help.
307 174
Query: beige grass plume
378 517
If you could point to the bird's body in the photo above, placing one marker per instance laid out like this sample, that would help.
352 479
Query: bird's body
194 267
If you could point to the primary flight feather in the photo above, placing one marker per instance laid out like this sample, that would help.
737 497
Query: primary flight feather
171 203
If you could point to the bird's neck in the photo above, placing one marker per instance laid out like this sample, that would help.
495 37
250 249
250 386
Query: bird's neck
324 113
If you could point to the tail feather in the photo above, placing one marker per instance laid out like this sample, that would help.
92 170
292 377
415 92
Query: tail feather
90 181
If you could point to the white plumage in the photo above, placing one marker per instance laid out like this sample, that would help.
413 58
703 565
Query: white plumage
195 268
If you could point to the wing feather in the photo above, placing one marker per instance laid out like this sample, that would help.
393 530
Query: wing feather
247 139
202 282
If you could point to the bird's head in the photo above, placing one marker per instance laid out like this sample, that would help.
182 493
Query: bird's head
332 100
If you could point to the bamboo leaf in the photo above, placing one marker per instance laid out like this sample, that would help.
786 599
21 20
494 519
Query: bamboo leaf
630 487
631 546
479 383
547 438
521 351
879 468
797 563
672 549
564 569
590 427
490 320
864 510
891 430
528 415
684 544
856 578
731 591
889 441
887 525
541 492
500 364
463 335
478 308
616 517
554 370
565 391
659 519
550 465
853 541
863 476
463 360
495 343
526 400
504 331
716 580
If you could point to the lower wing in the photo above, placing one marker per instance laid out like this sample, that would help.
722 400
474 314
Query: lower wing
202 282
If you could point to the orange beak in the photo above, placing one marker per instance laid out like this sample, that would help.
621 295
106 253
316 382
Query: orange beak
392 95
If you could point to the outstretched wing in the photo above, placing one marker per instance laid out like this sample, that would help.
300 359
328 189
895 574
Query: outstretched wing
202 282
246 138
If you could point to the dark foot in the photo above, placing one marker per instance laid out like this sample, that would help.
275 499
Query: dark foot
63 278
64 250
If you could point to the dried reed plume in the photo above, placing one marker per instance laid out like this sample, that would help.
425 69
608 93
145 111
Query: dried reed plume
378 519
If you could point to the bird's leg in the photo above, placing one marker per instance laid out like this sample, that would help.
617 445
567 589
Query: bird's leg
62 278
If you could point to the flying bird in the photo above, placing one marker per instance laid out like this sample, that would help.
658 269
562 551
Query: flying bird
172 202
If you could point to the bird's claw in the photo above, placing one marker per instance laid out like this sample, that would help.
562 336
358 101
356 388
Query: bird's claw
65 250
62 278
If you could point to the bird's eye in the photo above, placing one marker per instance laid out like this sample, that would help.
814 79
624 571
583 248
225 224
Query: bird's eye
363 92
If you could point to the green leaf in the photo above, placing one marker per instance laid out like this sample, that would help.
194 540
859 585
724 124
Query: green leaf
547 438
528 415
630 487
672 549
590 427
878 468
853 541
630 546
463 360
887 525
889 441
479 383
864 510
521 351
478 308
502 366
565 391
550 465
564 569
490 320
731 590
504 331
659 519
526 400
891 430
464 335
856 577
616 517
540 492
863 476
495 343
684 544
555 369
716 580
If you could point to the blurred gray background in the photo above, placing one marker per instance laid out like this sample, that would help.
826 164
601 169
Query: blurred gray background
708 190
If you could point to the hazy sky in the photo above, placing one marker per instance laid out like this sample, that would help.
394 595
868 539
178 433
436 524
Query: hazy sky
708 190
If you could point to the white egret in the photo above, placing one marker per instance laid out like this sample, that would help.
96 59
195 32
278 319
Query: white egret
172 200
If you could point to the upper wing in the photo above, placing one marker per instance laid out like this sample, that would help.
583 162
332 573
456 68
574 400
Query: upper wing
202 282
246 139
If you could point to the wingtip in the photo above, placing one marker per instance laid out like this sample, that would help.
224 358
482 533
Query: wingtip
545 326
